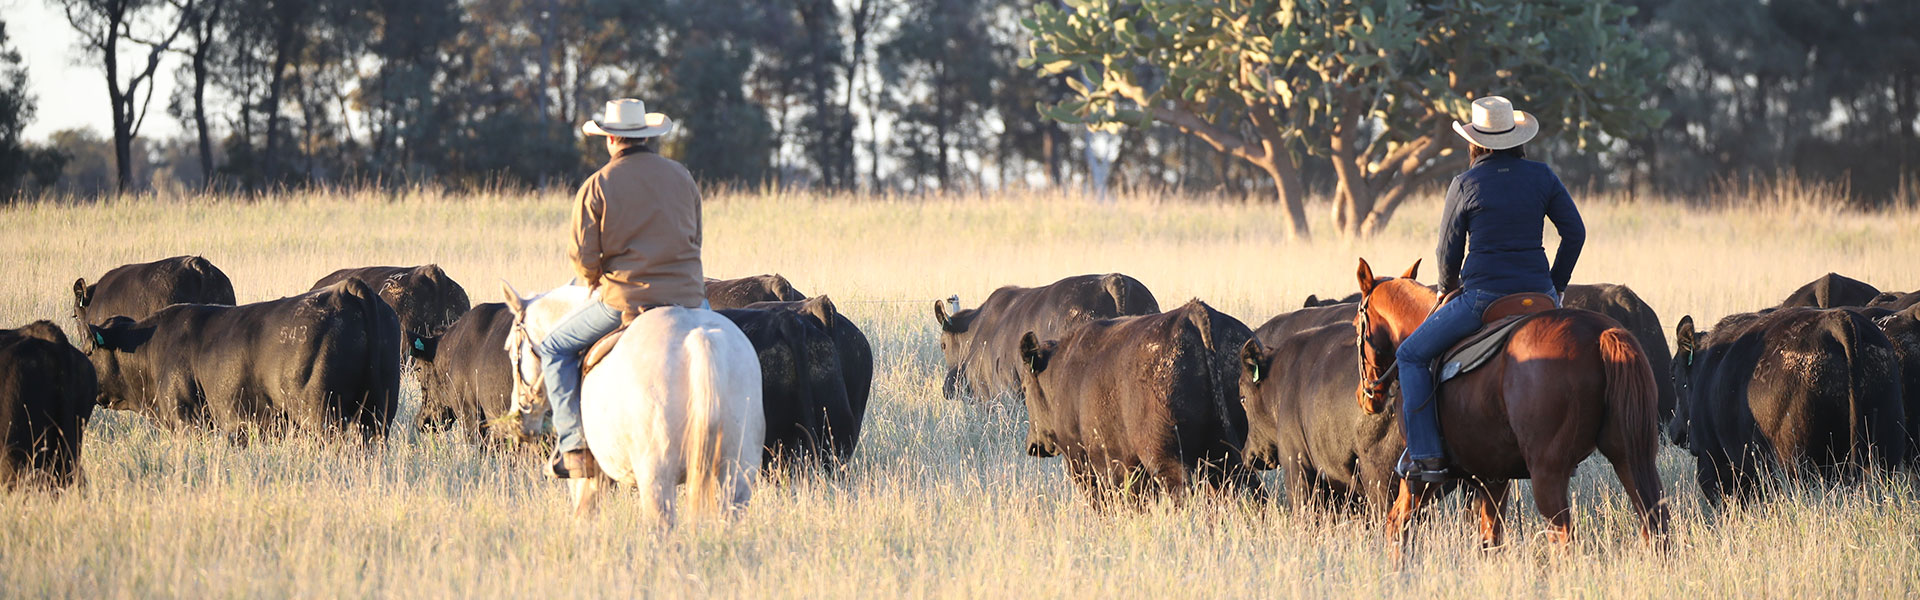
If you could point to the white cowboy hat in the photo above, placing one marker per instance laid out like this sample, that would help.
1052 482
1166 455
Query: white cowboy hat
1496 125
628 118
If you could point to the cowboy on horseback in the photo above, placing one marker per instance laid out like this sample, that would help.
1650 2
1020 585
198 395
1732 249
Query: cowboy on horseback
1490 246
636 244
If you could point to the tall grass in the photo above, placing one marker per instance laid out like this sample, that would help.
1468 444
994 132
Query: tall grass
940 500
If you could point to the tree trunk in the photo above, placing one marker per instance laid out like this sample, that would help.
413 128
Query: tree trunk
203 36
1287 188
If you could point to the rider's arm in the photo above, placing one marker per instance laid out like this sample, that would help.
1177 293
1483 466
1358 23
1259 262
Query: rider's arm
1453 238
589 208
1573 233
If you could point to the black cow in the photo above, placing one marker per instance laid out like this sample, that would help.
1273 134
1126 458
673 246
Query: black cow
465 376
324 360
1625 306
1903 329
1314 301
804 395
425 298
137 290
1139 403
1831 291
1793 387
47 391
1894 301
980 344
738 293
1303 418
856 354
1289 323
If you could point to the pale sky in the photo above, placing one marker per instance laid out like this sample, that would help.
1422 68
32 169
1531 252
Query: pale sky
68 93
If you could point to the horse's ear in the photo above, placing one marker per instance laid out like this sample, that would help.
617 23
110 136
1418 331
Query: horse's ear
515 303
1254 360
1413 272
1366 277
1684 338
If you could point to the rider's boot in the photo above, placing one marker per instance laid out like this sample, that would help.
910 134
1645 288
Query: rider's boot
573 464
1425 470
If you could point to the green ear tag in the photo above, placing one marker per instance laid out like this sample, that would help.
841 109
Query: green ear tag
419 345
99 340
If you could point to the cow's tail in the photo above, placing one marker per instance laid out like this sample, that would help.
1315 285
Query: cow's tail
1633 405
376 409
1867 436
702 443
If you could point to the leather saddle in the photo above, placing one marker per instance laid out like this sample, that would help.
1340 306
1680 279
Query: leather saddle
1498 323
599 350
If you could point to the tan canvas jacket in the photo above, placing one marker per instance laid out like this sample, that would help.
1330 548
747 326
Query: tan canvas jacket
636 230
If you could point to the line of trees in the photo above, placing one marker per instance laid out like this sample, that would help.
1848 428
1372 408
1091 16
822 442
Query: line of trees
920 95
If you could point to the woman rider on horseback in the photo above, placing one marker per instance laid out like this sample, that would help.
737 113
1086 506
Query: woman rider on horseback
1490 246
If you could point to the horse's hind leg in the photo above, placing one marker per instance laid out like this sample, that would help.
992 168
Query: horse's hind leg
1640 475
657 491
1405 506
1552 496
1490 503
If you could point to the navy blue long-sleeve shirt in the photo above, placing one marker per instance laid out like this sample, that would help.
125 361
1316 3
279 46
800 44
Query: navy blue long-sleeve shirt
1490 233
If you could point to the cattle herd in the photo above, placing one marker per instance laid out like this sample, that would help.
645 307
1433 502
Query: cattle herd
1137 401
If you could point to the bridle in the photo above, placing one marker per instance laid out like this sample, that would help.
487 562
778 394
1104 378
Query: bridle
1374 380
526 389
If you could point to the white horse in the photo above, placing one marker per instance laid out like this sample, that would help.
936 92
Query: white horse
676 401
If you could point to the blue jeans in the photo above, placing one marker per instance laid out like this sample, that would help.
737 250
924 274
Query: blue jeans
560 365
560 356
1445 327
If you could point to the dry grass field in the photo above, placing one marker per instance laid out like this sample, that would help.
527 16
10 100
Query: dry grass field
940 500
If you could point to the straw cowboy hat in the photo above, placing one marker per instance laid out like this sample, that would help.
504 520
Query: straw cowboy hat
1496 125
628 118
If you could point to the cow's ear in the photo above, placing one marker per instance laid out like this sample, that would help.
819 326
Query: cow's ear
1312 301
940 313
1365 274
81 295
1033 353
1685 341
515 303
1413 272
1254 360
422 347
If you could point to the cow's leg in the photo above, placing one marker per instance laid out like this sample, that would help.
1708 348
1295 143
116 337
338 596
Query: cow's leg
1490 503
1552 496
1299 483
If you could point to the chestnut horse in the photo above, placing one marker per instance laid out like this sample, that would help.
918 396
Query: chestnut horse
1568 381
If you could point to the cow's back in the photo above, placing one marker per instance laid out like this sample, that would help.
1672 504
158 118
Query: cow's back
425 299
856 353
738 293
137 290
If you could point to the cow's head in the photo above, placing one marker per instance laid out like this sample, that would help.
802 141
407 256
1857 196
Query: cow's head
1263 441
82 298
1686 350
955 341
1041 440
531 416
112 344
425 298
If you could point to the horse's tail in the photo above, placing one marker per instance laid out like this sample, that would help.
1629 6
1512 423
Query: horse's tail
706 471
1633 405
